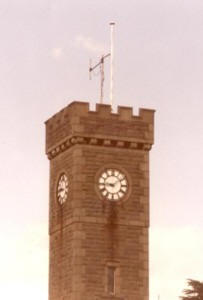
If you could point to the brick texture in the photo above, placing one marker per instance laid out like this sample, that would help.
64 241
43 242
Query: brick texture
86 233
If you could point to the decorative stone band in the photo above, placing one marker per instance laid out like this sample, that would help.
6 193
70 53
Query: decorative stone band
75 140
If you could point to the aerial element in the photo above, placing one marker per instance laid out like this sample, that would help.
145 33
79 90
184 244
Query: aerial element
101 65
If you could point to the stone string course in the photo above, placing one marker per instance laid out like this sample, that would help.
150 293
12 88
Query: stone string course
72 141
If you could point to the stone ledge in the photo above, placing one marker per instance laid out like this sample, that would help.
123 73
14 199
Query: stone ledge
78 140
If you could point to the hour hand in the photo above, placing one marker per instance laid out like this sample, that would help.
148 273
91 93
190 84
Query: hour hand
110 184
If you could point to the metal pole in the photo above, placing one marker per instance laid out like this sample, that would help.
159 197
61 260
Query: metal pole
112 63
102 79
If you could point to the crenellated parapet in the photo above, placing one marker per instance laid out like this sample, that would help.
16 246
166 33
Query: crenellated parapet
77 124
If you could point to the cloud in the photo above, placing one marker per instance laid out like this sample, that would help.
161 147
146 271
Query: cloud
90 45
56 53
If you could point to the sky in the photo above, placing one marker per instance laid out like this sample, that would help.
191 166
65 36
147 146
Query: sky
44 56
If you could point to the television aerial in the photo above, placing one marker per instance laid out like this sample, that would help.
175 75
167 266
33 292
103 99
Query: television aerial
100 64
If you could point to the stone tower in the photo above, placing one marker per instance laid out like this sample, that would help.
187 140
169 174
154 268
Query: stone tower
99 202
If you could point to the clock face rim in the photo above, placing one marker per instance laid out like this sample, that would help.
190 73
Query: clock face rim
127 177
61 203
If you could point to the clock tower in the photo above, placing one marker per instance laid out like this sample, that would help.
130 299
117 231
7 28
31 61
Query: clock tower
99 202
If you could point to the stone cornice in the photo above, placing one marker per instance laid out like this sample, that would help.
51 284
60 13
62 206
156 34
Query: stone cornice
78 140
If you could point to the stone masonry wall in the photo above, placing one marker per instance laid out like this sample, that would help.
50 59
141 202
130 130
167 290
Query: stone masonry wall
86 234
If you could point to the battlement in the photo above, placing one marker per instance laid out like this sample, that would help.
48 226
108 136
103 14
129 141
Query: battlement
77 120
102 110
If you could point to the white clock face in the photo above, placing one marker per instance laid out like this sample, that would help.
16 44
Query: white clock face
62 189
113 184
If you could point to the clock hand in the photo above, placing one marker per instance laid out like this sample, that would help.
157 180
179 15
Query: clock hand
110 184
116 183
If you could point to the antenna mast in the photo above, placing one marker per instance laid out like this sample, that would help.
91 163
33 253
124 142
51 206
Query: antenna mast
112 63
101 65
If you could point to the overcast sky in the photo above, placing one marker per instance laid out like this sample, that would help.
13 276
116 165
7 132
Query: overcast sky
44 55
